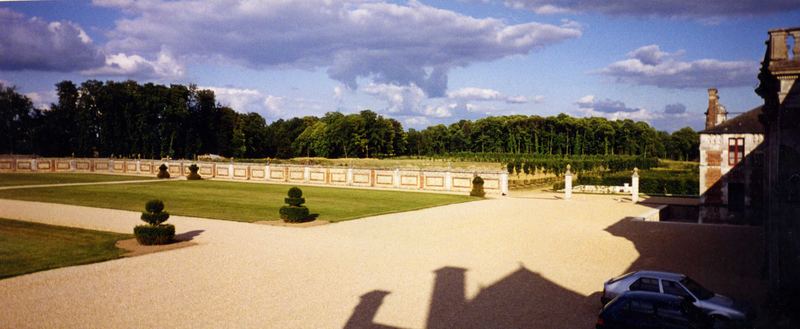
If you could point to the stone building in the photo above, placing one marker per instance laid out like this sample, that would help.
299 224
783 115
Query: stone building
731 165
781 93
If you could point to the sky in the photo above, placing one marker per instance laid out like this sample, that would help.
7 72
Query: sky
420 62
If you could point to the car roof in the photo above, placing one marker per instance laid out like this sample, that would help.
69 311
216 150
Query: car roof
660 275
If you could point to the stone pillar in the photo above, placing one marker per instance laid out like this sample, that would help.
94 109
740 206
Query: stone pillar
504 183
230 170
635 185
34 165
266 172
139 167
349 176
396 178
448 181
568 184
306 174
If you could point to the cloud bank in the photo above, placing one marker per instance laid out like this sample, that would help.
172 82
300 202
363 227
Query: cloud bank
387 43
649 65
665 8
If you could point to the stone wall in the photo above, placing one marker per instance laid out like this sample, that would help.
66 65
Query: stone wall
716 175
495 182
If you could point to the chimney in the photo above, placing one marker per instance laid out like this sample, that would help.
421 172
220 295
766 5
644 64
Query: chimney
713 108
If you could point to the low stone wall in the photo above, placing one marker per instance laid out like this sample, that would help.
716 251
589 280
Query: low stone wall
495 182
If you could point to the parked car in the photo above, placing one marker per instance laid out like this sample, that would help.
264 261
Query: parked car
722 309
650 310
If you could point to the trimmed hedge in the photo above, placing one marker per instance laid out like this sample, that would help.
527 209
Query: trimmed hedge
162 171
295 212
477 187
193 175
154 234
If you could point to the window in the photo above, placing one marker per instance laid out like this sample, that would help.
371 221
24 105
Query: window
735 150
642 307
645 284
673 288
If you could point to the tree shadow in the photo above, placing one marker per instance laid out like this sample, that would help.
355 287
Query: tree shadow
188 236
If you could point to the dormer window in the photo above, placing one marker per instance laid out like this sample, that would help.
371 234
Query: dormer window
735 150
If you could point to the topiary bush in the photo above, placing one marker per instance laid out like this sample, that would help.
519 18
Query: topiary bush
477 187
154 232
296 212
162 171
193 175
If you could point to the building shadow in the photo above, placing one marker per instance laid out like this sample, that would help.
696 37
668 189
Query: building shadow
522 299
727 259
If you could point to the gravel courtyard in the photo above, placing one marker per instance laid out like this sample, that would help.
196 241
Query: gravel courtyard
532 261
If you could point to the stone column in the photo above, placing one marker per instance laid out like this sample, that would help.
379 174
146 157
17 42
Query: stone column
349 176
568 184
503 183
635 185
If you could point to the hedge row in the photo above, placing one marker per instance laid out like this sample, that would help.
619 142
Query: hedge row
650 182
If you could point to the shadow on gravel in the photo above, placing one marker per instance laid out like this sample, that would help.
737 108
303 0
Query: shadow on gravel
522 299
726 259
188 236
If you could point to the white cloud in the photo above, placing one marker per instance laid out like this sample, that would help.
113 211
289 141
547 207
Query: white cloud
672 117
400 44
675 8
482 94
249 100
649 65
401 100
590 103
120 64
42 99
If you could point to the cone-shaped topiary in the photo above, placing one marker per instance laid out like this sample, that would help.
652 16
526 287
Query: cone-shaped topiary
193 175
154 232
477 187
162 171
295 212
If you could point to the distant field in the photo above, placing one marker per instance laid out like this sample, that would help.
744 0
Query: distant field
30 247
247 202
18 179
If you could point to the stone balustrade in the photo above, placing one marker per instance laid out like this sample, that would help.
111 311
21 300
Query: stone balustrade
495 182
779 45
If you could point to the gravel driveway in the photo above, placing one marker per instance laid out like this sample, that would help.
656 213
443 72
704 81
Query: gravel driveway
525 262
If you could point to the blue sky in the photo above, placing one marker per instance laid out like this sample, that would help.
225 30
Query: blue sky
421 62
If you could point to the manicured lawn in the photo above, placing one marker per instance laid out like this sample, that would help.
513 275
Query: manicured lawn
236 201
17 179
30 247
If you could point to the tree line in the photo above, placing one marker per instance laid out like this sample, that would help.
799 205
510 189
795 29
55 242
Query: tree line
149 120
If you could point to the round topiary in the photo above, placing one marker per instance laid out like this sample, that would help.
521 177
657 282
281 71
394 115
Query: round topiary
162 171
154 232
477 187
193 175
295 212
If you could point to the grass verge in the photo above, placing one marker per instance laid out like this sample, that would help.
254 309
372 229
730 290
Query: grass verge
246 202
30 247
19 179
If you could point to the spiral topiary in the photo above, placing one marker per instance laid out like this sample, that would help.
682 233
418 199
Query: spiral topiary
295 212
154 232
162 171
193 175
477 187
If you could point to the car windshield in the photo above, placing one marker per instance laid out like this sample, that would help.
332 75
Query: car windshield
696 289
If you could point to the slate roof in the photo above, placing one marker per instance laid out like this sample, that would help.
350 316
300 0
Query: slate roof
745 123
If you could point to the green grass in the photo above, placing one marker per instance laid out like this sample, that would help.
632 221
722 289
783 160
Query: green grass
17 179
30 247
236 201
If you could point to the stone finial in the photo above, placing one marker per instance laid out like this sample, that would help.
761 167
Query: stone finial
635 172
569 171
